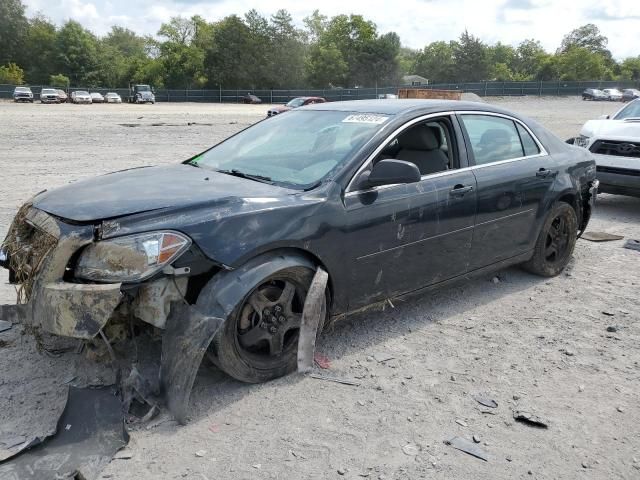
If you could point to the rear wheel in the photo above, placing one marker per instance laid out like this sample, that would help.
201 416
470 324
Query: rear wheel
556 241
259 340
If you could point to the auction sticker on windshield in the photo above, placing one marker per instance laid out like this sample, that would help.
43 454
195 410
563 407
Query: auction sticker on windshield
365 118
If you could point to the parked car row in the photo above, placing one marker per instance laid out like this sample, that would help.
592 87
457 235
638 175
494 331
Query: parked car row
53 95
611 94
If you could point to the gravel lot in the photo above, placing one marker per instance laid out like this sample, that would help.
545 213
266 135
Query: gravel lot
533 344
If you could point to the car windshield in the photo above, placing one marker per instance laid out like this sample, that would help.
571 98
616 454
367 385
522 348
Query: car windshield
48 91
143 88
296 102
112 94
82 92
630 111
295 150
22 89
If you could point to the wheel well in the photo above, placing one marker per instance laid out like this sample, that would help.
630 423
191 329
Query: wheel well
313 259
572 199
196 283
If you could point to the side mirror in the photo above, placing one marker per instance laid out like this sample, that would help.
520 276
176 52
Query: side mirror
389 172
605 117
570 141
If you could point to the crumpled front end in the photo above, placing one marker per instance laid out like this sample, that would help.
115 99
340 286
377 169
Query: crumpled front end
37 251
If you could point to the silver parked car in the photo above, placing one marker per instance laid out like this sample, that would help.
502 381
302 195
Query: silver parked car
49 95
80 96
97 97
112 97
612 94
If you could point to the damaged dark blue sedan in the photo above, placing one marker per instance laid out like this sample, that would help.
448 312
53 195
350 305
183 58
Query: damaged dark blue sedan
389 197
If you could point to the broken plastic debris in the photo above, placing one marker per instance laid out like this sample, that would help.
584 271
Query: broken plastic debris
411 449
601 236
530 419
382 357
468 447
632 244
344 381
485 400
322 361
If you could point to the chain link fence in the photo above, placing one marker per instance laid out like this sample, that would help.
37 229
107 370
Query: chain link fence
222 95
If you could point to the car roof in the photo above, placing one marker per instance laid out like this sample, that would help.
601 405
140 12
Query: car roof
403 106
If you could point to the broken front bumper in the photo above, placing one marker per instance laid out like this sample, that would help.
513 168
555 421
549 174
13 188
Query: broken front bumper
37 251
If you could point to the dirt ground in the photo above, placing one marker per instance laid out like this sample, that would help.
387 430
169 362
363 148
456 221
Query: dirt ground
533 344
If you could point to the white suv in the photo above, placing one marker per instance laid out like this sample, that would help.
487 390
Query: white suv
615 142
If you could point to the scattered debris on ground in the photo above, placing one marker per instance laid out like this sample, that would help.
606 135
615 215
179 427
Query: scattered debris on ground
530 419
601 236
468 447
485 400
89 433
632 244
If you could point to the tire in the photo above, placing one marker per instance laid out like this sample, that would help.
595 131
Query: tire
255 363
556 242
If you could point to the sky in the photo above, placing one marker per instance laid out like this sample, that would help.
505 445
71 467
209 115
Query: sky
418 22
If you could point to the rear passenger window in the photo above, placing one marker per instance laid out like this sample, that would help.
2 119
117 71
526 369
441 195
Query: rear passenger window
493 139
530 146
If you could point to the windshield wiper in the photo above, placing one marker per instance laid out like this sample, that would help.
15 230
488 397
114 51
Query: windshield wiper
237 173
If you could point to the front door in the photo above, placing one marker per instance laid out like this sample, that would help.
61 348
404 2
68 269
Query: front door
405 237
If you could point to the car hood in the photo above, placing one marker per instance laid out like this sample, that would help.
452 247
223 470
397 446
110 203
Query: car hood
612 129
150 188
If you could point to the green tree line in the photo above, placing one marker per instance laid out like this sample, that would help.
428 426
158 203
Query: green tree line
254 51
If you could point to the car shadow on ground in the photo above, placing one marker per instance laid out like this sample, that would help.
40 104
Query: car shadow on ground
371 330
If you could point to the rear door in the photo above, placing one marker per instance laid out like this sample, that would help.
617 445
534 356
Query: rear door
514 174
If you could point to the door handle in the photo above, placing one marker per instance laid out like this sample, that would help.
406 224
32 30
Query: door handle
543 173
460 190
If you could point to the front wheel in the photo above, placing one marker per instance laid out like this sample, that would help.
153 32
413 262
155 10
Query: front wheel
259 340
556 241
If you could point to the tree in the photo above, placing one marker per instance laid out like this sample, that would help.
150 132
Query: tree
407 58
501 72
529 58
470 59
579 63
588 37
59 81
182 59
630 69
436 62
325 66
228 58
40 42
287 51
11 74
316 25
77 56
13 28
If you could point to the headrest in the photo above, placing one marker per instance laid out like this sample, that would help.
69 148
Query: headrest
418 138
495 136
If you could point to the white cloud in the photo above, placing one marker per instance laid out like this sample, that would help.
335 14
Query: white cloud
418 22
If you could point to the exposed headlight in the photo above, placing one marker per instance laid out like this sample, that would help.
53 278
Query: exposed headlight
131 258
581 141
